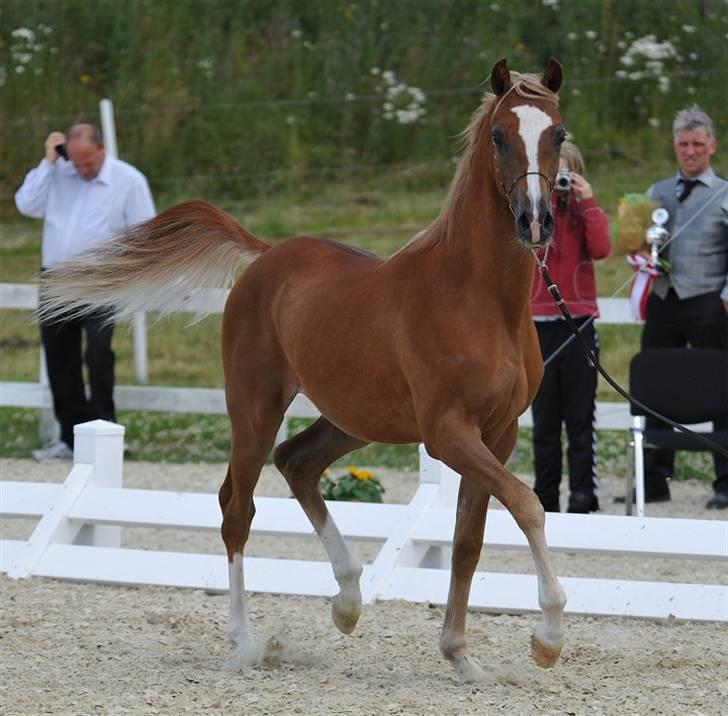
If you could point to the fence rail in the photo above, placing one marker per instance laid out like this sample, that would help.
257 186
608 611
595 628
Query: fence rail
79 537
610 415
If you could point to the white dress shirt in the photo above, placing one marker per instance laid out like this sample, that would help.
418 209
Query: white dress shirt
79 213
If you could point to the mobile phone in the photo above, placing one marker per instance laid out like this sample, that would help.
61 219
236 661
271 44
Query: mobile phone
61 150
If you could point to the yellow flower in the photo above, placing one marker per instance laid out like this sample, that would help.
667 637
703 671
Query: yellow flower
360 474
85 79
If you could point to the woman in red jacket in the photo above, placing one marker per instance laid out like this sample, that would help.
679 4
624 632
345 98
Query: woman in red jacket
568 392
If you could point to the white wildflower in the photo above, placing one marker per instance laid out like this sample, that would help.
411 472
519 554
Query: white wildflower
24 33
653 122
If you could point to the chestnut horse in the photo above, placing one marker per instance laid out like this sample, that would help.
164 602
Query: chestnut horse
435 344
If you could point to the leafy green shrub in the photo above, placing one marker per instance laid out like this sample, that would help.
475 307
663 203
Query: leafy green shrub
356 485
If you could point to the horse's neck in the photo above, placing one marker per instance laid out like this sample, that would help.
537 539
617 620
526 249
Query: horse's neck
481 249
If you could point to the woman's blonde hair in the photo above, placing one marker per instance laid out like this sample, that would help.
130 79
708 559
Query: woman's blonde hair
570 152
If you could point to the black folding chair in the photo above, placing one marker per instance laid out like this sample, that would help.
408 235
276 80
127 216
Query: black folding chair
687 385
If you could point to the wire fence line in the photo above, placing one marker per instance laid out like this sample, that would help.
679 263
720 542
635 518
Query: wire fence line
314 99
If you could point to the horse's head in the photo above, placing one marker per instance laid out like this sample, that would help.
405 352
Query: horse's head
526 133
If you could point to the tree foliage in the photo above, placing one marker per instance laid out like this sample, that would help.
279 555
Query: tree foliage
226 97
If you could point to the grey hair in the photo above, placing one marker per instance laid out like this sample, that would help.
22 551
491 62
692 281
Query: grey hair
693 118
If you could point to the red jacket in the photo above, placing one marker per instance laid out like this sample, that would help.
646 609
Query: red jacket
581 235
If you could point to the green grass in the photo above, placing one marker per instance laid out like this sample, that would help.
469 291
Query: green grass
377 213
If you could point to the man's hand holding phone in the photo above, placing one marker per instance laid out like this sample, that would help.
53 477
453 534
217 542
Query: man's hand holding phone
54 140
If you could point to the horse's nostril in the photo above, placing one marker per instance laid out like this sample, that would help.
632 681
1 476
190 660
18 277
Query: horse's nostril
548 223
523 223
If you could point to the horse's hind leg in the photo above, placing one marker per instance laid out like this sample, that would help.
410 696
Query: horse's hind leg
302 459
252 436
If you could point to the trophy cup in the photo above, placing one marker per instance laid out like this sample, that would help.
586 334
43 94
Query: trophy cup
656 236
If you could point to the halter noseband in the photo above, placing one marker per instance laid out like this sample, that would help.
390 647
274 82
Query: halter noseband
508 191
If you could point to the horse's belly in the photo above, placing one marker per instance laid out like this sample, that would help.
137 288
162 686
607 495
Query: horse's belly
368 409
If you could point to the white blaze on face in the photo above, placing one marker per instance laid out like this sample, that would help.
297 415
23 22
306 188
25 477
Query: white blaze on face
531 124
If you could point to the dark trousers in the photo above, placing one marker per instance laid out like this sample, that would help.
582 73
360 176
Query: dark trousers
62 342
567 395
700 322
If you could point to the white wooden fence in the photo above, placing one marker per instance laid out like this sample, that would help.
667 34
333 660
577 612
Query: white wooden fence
78 537
610 415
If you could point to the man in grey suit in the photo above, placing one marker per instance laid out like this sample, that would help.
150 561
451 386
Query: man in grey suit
689 304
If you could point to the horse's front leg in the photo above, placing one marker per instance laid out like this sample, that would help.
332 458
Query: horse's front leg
459 445
467 543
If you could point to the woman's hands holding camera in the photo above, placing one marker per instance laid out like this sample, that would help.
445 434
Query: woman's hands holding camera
581 187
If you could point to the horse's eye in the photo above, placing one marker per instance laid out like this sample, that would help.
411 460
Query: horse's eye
498 136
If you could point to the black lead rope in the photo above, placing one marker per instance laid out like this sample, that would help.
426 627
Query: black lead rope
553 289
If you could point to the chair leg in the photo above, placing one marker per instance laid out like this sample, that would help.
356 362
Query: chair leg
639 472
630 475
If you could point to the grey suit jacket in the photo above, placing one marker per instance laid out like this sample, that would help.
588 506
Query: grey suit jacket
698 250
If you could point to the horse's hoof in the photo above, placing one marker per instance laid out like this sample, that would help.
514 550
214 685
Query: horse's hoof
245 656
345 615
467 670
545 656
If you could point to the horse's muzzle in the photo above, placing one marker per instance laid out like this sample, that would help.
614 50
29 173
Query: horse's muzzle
534 230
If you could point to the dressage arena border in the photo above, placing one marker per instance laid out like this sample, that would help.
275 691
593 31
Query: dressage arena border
78 537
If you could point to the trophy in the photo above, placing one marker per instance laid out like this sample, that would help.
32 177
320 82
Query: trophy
656 237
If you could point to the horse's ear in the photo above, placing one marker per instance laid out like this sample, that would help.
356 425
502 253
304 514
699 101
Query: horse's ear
500 77
553 75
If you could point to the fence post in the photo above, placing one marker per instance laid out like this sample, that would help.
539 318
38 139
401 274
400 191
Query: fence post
50 430
436 472
139 326
101 444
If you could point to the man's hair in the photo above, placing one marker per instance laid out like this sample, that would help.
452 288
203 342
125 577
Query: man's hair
693 118
570 152
89 132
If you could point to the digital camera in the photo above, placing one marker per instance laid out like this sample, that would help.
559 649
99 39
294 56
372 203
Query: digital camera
563 180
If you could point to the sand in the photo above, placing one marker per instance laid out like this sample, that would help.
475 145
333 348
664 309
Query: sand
70 648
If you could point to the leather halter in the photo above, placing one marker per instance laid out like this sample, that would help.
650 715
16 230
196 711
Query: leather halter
518 88
508 191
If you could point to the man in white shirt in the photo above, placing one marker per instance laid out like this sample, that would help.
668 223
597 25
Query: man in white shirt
88 198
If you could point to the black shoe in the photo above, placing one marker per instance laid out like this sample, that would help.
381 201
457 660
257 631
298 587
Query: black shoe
719 501
582 504
650 496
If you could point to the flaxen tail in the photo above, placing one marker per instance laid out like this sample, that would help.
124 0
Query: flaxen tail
153 266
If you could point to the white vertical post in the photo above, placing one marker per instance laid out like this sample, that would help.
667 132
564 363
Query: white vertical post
50 430
101 444
639 467
437 472
139 331
139 326
434 471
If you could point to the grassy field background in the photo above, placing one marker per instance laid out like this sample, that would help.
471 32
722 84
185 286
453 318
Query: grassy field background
377 213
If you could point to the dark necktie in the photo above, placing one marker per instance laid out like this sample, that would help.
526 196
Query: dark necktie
686 187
